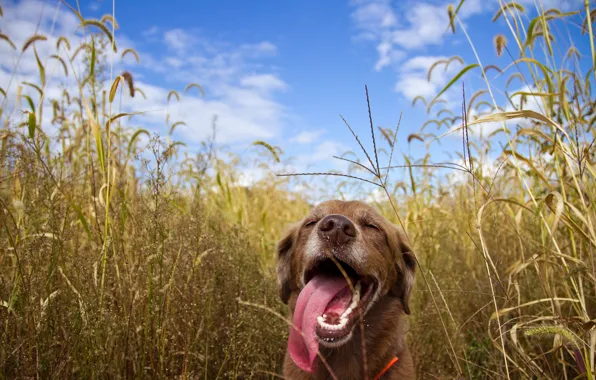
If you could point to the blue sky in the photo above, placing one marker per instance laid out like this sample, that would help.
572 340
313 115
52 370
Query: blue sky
284 71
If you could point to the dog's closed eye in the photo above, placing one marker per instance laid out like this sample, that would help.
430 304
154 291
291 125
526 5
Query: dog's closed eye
372 226
310 223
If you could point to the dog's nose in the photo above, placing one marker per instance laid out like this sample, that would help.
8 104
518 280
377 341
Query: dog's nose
337 228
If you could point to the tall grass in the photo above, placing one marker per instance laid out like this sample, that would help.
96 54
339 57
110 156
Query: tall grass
115 264
529 232
124 256
506 246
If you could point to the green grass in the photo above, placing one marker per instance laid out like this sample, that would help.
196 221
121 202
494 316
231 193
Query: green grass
118 266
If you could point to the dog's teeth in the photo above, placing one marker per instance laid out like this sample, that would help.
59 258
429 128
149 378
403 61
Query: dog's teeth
343 319
342 323
354 303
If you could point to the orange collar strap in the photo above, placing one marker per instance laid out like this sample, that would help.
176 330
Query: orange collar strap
387 367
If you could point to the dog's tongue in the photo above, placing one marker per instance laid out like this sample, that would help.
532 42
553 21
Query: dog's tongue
312 302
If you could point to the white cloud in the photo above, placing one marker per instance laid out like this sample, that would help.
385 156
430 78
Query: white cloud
326 150
412 77
387 55
240 116
174 62
306 137
179 40
261 48
20 22
412 25
402 28
411 87
374 16
264 82
321 153
240 87
154 30
427 25
420 63
563 5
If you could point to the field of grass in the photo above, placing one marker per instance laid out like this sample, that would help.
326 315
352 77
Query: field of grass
124 256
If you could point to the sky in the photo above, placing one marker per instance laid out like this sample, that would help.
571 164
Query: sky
282 72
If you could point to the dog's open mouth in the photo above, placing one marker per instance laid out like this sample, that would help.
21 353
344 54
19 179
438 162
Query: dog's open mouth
328 309
340 315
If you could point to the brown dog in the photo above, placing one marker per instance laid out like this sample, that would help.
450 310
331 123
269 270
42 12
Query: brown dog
342 261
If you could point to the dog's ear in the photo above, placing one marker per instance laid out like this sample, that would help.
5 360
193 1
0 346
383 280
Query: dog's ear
406 268
284 263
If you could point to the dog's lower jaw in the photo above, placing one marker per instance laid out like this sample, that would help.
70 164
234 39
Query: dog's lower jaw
385 324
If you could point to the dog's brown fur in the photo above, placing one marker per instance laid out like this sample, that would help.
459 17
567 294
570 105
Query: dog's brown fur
388 257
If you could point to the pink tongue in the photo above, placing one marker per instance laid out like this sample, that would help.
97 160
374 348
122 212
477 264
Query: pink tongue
312 302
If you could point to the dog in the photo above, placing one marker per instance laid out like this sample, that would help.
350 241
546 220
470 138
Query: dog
346 274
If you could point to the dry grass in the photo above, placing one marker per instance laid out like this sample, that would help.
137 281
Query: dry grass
115 266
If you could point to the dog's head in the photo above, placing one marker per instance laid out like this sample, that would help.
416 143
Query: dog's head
333 265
